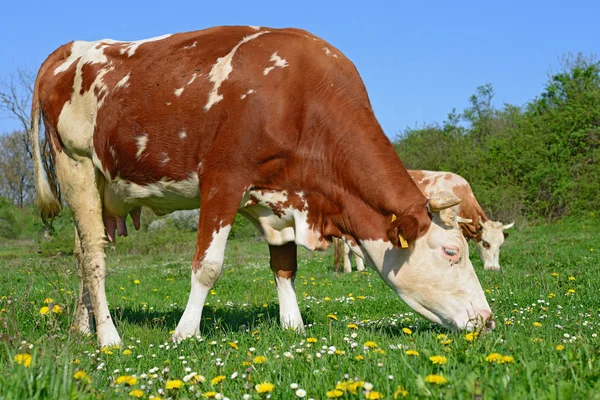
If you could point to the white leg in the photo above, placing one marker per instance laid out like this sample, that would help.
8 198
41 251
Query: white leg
347 264
289 312
203 279
360 264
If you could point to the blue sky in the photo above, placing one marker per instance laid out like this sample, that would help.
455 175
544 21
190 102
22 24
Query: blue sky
418 59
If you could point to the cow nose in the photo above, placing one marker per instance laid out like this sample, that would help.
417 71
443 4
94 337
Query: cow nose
488 319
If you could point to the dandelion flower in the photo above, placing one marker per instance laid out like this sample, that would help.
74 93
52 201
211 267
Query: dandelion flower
413 353
571 278
352 326
260 360
407 331
44 310
400 392
23 359
311 340
136 393
508 359
471 336
437 379
359 358
264 387
555 274
106 350
81 376
127 352
137 281
438 359
494 357
217 379
371 344
333 317
209 395
441 336
537 324
126 379
56 309
233 345
373 395
174 384
560 347
334 393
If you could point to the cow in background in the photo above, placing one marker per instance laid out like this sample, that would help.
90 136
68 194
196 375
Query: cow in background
488 235
247 120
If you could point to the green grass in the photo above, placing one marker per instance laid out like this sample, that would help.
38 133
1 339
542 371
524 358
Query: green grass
243 310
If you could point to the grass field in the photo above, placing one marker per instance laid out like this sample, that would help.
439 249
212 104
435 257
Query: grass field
361 341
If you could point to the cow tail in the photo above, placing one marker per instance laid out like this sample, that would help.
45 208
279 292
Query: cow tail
47 199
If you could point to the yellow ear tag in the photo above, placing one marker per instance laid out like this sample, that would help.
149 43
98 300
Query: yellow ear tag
403 242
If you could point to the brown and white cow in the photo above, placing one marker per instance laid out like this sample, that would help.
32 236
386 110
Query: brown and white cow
250 120
489 235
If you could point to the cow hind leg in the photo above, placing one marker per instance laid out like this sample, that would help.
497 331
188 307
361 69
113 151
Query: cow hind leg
284 265
83 198
84 316
216 218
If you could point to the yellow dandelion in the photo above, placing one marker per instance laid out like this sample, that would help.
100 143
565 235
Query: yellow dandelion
334 393
311 340
441 336
437 379
217 379
246 363
359 358
233 345
339 352
554 274
508 359
400 392
126 379
494 357
407 331
136 393
446 342
371 344
136 281
560 347
438 360
571 278
352 326
174 384
264 387
413 353
81 376
333 317
23 359
209 395
56 309
327 299
373 395
571 291
259 360
380 351
537 324
199 378
106 350
44 310
48 300
127 352
551 295
537 340
508 322
471 336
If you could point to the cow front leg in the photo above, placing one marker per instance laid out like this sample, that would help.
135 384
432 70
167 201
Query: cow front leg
76 179
216 218
284 265
347 263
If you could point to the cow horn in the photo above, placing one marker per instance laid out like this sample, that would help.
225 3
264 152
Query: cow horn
462 220
441 201
504 227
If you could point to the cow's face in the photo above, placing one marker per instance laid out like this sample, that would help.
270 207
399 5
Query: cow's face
492 238
434 275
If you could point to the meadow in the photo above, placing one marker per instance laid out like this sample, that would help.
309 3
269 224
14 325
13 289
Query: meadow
361 341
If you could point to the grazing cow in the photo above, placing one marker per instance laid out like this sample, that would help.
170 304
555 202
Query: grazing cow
245 120
489 235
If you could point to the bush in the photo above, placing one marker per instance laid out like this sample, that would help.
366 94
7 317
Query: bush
8 221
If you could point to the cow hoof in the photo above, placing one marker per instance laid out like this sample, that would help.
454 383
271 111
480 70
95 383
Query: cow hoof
109 340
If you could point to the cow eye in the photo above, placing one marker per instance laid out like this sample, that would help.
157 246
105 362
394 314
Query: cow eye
485 244
450 252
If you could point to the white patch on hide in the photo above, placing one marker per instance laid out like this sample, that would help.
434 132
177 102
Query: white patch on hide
221 70
182 135
246 94
141 141
178 91
165 158
131 47
278 63
123 82
191 46
254 27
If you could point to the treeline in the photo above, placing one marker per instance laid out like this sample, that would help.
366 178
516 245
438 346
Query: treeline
539 161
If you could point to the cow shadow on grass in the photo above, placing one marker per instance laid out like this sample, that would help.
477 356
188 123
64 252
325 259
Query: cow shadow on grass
222 319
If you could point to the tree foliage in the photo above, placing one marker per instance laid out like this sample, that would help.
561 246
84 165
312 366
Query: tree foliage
539 160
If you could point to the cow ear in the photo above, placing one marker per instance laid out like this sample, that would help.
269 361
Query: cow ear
403 230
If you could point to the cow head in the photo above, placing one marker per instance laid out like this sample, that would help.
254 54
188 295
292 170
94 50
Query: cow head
492 238
434 275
